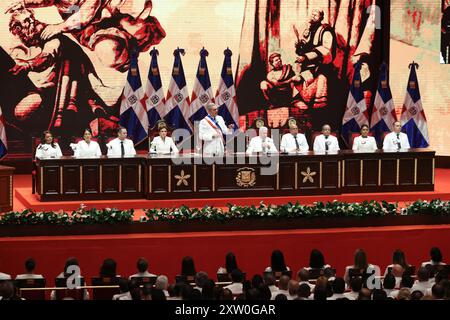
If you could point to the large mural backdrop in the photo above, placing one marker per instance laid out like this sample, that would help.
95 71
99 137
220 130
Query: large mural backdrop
63 63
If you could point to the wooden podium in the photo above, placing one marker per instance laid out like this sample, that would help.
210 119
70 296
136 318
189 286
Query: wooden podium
6 188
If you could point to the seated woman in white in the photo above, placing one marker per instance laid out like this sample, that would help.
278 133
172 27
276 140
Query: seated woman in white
364 142
48 148
261 143
163 144
86 147
436 258
230 264
277 263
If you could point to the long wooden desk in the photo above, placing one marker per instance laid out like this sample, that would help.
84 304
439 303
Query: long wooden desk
6 188
235 175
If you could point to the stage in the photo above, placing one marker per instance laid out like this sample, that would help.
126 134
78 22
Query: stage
23 198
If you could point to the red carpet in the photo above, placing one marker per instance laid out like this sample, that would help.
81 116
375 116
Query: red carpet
253 249
24 199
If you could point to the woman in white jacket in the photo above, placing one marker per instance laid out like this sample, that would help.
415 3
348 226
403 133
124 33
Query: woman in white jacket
48 148
86 148
364 142
163 144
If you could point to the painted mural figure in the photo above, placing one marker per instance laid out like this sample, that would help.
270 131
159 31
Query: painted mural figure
64 76
103 26
316 50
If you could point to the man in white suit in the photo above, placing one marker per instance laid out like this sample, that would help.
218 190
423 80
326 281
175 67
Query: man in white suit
326 142
294 141
396 140
212 128
261 143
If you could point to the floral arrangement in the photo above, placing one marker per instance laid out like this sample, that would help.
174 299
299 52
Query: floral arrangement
335 209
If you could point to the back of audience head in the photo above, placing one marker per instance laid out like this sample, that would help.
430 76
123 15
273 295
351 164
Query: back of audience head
360 259
303 275
201 278
124 285
389 281
230 262
356 284
416 295
316 259
283 283
226 295
30 265
236 276
407 281
108 268
252 294
187 266
338 285
265 292
269 279
293 287
280 297
320 293
208 289
379 294
304 291
436 255
257 281
398 257
437 291
277 261
404 294
422 274
162 282
364 294
142 265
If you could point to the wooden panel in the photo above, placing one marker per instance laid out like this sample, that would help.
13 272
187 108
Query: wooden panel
6 193
204 178
182 178
71 179
91 178
159 178
110 178
287 176
227 178
330 174
388 172
406 172
352 172
370 173
51 180
130 178
308 175
424 171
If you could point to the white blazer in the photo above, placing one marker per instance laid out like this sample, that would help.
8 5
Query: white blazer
364 144
288 143
82 149
158 145
45 150
256 145
390 142
319 143
114 148
212 135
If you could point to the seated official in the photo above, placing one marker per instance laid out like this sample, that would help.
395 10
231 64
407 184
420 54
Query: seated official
294 141
261 143
163 144
48 148
121 146
364 142
30 265
86 147
396 140
211 129
326 142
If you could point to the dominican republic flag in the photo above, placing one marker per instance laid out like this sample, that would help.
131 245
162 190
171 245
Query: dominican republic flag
413 120
356 113
133 113
383 114
154 93
202 94
3 144
177 101
226 93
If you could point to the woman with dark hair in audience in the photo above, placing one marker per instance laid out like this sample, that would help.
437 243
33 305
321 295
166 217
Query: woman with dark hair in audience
230 264
108 269
398 257
317 260
436 258
277 262
389 284
70 264
187 266
48 148
360 262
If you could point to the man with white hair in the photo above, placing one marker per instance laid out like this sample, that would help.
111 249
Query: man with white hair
162 283
212 129
261 143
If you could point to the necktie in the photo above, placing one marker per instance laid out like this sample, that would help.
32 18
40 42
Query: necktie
399 146
326 143
122 149
296 143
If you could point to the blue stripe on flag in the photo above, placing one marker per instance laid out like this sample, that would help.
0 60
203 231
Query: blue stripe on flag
130 120
153 117
413 90
415 137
